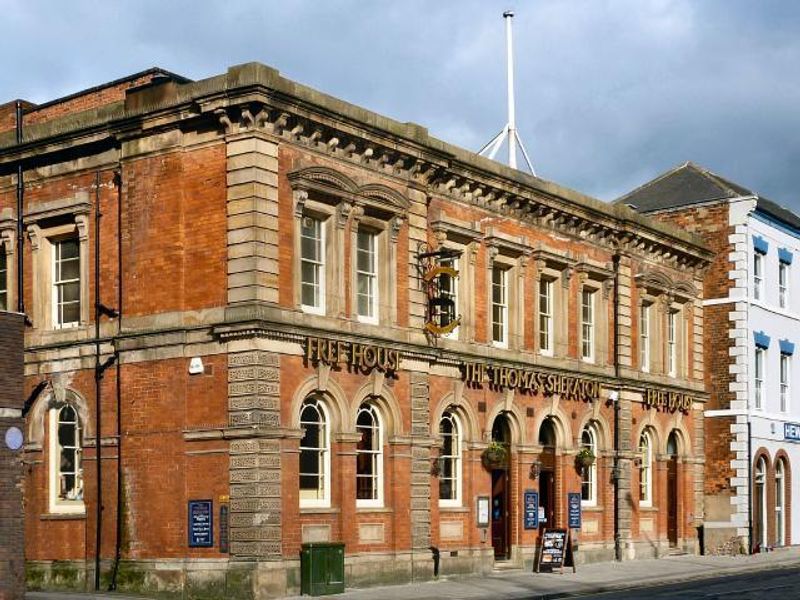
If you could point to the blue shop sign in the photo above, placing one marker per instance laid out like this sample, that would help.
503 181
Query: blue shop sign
530 513
574 510
201 524
791 432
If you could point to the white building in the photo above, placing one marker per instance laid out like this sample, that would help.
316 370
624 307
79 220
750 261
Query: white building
752 327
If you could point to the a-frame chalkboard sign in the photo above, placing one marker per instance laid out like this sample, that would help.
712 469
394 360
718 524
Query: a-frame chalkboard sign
555 551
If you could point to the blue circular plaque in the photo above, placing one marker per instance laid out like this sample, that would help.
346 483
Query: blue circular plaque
14 438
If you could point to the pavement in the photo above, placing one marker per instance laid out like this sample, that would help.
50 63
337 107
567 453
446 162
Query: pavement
596 578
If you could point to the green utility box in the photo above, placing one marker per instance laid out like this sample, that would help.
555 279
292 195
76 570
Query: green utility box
322 568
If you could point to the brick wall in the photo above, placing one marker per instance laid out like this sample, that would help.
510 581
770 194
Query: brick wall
11 400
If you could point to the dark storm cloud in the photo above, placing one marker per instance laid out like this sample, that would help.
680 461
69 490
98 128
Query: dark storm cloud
609 93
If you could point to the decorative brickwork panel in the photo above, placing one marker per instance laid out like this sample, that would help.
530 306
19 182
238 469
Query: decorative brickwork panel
420 462
255 464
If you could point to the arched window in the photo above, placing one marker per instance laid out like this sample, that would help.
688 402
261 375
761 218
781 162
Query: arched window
780 503
369 457
589 476
646 470
66 469
450 461
547 433
760 503
315 456
672 444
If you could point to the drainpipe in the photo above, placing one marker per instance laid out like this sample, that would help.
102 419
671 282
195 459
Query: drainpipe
99 371
118 537
20 196
617 540
750 487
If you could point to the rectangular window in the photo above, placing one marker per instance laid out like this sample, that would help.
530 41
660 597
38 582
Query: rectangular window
366 277
644 338
785 382
3 280
312 265
672 343
500 306
783 285
448 289
66 283
587 325
759 377
546 316
758 275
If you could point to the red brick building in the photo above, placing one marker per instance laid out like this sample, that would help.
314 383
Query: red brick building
302 321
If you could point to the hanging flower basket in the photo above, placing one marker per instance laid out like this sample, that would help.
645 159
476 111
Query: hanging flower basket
585 458
495 456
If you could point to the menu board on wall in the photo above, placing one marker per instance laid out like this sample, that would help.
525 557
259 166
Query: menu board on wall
555 551
201 524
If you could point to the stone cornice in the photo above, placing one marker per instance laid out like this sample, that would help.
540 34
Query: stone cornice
256 97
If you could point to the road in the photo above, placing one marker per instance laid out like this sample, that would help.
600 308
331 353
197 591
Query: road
781 584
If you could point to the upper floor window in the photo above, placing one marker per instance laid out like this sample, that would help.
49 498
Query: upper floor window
758 275
672 343
587 324
450 461
644 337
783 284
785 363
500 306
546 316
759 377
589 475
3 280
448 289
66 468
66 283
312 265
646 470
366 276
369 457
315 460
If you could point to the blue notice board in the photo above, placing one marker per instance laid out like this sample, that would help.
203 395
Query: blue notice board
530 514
574 510
201 524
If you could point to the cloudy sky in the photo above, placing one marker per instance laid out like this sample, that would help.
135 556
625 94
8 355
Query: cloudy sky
610 93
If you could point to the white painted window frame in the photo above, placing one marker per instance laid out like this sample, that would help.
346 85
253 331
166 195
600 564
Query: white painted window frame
646 470
672 343
546 288
758 275
58 284
785 382
780 503
502 305
783 284
319 265
372 276
644 336
376 458
57 505
588 324
453 294
759 363
455 458
324 450
589 476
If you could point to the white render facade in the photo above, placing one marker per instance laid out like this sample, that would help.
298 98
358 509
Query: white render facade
752 320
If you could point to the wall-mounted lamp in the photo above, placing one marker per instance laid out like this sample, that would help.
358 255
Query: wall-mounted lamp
536 468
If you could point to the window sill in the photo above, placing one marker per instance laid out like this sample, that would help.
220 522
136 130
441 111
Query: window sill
454 509
373 509
317 510
77 516
593 508
652 509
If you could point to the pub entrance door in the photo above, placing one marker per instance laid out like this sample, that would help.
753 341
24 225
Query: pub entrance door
501 432
547 475
673 496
